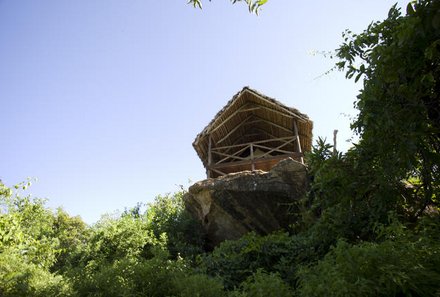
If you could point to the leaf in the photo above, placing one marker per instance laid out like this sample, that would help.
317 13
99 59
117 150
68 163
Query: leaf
410 9
195 3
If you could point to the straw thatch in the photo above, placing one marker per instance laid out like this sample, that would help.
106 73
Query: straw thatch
253 117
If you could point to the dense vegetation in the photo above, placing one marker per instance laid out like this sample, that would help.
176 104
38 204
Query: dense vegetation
370 225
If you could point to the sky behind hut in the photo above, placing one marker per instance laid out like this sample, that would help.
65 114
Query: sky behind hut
101 100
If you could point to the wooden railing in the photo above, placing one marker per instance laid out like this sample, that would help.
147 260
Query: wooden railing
233 155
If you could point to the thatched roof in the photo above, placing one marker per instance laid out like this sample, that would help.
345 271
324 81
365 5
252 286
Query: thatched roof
263 118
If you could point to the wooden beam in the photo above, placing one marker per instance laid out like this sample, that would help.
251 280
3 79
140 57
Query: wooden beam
251 108
270 150
245 135
276 125
240 109
287 115
242 124
235 129
209 154
246 122
254 142
284 141
218 171
240 139
248 162
264 131
277 105
209 127
279 147
295 129
231 156
210 150
252 158
335 152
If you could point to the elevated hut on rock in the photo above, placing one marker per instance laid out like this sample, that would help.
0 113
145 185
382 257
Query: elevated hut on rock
253 132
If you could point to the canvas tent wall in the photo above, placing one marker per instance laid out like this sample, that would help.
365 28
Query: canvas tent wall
251 132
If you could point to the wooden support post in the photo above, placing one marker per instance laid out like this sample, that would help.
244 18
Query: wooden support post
335 152
252 157
209 156
295 129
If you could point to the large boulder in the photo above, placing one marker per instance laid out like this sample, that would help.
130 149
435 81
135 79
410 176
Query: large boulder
232 205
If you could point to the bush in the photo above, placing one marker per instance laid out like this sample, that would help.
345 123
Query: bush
198 285
167 215
235 261
401 265
20 278
155 277
262 284
279 252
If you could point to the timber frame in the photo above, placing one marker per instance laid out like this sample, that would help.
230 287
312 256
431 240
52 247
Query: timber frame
253 132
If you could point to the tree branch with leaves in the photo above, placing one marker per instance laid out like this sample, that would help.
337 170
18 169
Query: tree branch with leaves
399 104
253 5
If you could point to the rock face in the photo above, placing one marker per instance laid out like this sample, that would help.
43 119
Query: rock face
232 205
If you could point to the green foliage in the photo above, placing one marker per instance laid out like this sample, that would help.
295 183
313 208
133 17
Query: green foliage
403 264
131 277
167 215
393 169
253 5
21 278
117 238
347 197
72 234
198 285
139 254
262 284
236 261
165 225
157 276
28 247
104 264
395 165
26 226
399 105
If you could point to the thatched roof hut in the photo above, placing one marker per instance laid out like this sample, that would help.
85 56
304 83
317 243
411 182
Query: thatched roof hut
251 132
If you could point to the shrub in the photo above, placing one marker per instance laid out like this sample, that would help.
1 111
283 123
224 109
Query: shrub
401 265
20 278
263 284
235 261
167 215
198 285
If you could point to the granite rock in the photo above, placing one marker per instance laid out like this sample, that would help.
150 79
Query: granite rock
235 204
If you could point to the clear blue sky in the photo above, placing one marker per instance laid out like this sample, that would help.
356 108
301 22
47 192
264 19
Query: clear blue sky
101 100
